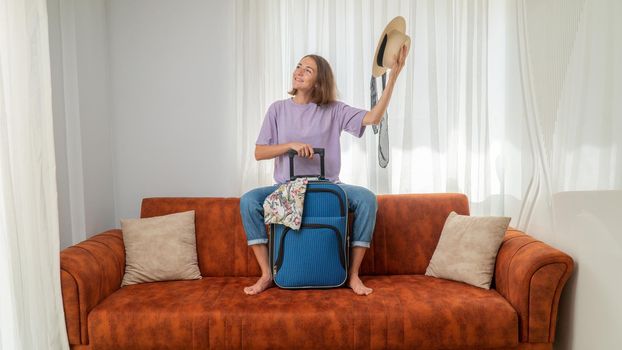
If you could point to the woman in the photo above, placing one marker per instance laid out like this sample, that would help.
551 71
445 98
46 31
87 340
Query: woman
313 118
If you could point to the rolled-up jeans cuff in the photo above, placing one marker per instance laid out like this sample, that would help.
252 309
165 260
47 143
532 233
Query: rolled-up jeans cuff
361 244
257 241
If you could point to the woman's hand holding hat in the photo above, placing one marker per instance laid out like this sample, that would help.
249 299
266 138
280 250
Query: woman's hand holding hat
400 61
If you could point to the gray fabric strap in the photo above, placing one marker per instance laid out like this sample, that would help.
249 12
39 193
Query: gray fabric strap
383 138
374 98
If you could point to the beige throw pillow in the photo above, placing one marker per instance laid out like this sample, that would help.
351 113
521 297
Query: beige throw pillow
160 248
467 249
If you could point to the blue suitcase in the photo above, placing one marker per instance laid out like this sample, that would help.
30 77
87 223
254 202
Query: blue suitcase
316 255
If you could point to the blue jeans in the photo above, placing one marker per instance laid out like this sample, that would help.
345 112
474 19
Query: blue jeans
361 200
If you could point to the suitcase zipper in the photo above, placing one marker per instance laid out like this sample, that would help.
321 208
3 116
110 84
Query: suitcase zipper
271 252
279 258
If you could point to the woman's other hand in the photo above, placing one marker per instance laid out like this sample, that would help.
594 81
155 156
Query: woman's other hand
303 149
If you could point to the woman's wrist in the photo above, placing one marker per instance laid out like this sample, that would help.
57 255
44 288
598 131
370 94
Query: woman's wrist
392 78
388 90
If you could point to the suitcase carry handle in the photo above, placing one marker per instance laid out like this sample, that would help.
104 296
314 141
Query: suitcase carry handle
291 153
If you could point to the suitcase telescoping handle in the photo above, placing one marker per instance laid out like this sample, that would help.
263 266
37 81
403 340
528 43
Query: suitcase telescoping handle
293 153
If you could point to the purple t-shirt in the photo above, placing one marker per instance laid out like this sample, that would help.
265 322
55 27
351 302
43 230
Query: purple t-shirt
319 126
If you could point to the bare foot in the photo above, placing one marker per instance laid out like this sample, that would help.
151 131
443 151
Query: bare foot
262 284
357 286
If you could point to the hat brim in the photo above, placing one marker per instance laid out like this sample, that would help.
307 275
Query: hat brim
398 23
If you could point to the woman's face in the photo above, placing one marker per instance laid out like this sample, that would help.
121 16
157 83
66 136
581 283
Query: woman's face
305 75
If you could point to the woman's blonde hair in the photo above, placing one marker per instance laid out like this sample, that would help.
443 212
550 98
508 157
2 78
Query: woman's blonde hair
325 91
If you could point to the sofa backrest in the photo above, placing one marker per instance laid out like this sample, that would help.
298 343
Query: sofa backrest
407 230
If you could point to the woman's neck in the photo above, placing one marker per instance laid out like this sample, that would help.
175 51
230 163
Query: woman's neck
302 98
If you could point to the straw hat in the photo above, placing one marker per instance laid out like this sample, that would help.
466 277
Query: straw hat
391 41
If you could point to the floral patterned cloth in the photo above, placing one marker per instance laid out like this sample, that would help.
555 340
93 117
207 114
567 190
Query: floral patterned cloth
284 206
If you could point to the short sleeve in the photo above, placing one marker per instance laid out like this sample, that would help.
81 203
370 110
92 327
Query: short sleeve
268 132
350 119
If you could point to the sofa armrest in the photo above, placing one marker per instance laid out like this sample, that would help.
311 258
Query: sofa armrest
90 271
531 275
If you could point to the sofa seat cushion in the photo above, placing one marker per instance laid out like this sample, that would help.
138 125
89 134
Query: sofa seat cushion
404 312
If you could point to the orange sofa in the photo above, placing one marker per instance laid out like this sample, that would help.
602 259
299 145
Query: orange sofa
407 310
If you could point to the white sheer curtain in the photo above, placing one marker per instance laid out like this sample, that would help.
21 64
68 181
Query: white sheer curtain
570 54
31 310
505 101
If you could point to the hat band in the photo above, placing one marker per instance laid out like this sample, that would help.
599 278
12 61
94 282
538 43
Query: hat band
381 51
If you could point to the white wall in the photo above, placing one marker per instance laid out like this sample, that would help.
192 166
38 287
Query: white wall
587 226
143 103
172 91
95 121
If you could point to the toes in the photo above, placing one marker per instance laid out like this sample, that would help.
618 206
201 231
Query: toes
257 288
360 289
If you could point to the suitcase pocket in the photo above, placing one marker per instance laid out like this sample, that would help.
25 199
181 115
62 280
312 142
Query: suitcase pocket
315 255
